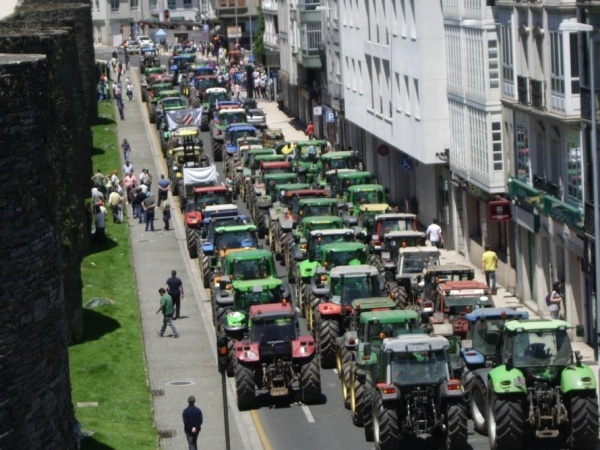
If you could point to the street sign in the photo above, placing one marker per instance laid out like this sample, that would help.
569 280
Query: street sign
318 111
500 211
252 58
274 73
406 165
330 117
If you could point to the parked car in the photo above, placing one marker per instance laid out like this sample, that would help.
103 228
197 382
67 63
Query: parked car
131 48
144 41
257 117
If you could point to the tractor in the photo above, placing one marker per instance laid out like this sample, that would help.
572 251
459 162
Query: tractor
294 247
385 252
307 159
359 195
221 120
332 162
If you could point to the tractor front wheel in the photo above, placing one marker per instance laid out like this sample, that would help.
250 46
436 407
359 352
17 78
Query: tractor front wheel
310 382
329 331
456 426
385 426
505 422
245 387
583 417
479 407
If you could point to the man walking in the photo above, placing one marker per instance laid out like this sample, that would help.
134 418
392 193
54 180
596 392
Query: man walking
489 264
166 307
148 206
164 185
434 234
175 290
192 422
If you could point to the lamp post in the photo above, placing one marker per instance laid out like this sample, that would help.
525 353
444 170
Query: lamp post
589 31
236 23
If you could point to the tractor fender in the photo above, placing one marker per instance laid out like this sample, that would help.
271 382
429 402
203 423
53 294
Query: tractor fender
223 300
388 392
482 375
193 219
297 253
448 394
319 291
264 203
329 309
303 347
285 290
208 248
308 268
472 357
504 381
247 352
276 211
231 149
574 378
286 224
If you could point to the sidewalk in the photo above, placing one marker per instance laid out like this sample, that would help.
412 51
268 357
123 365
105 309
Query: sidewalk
187 366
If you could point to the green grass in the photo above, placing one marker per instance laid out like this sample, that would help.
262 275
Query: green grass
107 365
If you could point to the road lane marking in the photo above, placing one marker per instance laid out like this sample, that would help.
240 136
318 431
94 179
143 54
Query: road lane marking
261 430
308 414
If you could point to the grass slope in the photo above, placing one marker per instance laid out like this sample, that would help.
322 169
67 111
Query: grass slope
107 366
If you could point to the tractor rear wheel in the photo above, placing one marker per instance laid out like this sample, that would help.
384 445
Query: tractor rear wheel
456 426
205 269
195 102
478 404
152 112
310 382
344 365
377 262
262 223
191 237
204 123
245 387
583 417
329 331
220 311
385 426
360 404
217 151
399 294
505 422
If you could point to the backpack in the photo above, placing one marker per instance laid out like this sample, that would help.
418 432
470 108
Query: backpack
548 297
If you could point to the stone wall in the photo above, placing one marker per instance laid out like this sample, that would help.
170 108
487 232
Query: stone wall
35 396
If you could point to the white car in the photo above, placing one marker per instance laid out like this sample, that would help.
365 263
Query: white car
144 41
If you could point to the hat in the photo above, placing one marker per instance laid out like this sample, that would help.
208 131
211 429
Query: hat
115 171
191 399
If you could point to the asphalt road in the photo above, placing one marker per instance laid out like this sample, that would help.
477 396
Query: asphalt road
291 425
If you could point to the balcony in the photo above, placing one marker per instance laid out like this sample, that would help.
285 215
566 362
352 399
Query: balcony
538 94
311 39
526 196
563 212
586 103
269 6
540 182
523 90
466 9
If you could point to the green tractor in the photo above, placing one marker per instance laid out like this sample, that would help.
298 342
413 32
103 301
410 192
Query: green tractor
333 295
240 266
342 179
333 162
256 185
321 260
157 96
541 389
413 394
263 201
295 244
359 195
222 119
307 159
386 251
247 167
211 97
358 349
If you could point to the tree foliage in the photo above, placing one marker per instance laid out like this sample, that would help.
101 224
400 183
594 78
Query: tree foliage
259 44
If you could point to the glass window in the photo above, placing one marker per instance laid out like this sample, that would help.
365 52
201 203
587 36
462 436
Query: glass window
115 5
153 5
134 5
507 54
574 169
187 4
497 145
522 147
493 63
557 75
171 4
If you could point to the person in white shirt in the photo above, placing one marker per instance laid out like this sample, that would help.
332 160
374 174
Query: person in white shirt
435 235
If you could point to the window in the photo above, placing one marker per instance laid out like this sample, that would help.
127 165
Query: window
115 5
574 169
557 75
574 58
171 4
153 5
406 95
497 145
134 5
187 4
97 2
522 147
507 55
417 99
493 63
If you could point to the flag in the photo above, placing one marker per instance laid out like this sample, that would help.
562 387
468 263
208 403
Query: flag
184 117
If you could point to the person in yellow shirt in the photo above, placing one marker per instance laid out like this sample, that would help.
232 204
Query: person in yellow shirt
489 263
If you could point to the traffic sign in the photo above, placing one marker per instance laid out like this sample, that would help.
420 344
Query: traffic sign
330 117
406 165
318 111
252 58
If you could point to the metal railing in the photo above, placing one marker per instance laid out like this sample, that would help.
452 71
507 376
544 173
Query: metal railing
538 91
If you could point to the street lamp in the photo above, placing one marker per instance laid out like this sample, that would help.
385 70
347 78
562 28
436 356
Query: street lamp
577 27
236 23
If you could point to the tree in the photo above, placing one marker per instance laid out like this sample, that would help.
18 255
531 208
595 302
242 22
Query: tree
259 45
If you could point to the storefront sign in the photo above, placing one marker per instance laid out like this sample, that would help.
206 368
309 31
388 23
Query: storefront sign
500 211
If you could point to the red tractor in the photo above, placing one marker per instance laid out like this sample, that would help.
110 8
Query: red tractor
273 357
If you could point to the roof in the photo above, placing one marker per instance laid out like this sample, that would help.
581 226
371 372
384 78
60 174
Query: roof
354 174
332 232
261 151
415 343
366 187
353 271
374 207
395 215
215 90
203 190
463 285
256 285
295 188
311 142
321 220
249 255
270 311
338 155
217 208
343 247
536 325
446 268
389 316
278 176
317 201
372 303
275 165
240 126
340 171
405 234
230 110
496 313
421 249
231 228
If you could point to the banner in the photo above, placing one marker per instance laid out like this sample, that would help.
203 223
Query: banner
200 175
184 117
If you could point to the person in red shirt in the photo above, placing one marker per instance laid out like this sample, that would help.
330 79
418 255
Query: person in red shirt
310 130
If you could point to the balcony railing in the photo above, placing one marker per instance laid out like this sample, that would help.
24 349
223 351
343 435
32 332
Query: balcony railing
586 103
553 189
540 182
562 211
526 196
523 90
538 92
308 5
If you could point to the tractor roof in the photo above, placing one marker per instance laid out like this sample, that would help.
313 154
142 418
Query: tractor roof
353 271
366 187
415 343
263 284
211 189
354 174
536 325
265 165
338 155
240 126
292 189
214 209
226 111
232 228
318 220
396 216
430 249
389 316
496 313
333 232
249 255
449 268
184 131
311 142
216 90
317 201
375 207
343 247
464 287
261 151
408 234
367 304
270 311
340 171
279 176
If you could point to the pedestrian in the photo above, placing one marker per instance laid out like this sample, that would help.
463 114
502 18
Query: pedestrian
175 290
166 307
148 205
166 208
163 189
114 201
130 182
128 169
489 264
126 150
192 422
129 89
98 180
121 107
100 218
555 298
97 196
310 130
148 179
139 199
435 235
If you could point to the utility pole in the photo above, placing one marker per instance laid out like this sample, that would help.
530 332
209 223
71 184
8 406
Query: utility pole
236 23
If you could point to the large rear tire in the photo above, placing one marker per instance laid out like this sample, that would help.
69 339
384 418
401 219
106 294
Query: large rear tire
329 331
204 123
478 404
583 412
205 271
191 237
152 112
310 382
399 294
217 151
386 433
245 387
262 223
456 426
360 403
505 422
377 262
